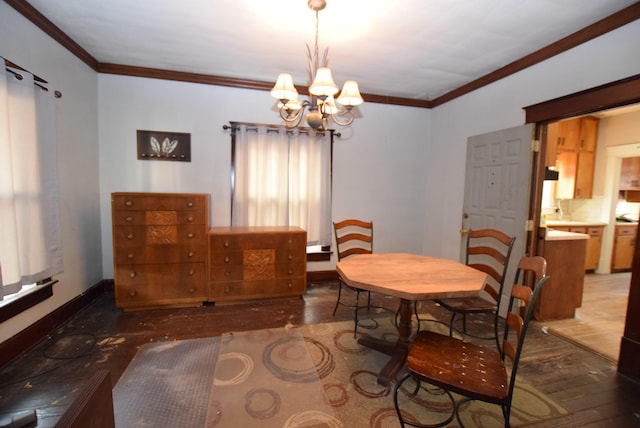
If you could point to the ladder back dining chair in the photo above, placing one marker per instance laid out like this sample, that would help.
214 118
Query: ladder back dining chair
353 236
452 365
488 250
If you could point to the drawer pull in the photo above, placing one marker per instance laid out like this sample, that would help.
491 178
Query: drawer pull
191 272
128 203
129 219
133 274
190 204
131 255
227 244
132 293
192 290
190 235
290 286
131 236
290 256
190 219
190 254
226 260
227 291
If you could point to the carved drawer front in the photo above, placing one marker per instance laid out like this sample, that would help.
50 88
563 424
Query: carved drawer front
159 201
249 263
126 217
188 253
160 249
248 272
243 290
160 284
137 236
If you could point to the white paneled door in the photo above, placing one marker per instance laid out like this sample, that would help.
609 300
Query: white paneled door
496 194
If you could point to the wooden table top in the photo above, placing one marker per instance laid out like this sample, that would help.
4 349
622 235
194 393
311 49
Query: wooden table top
411 276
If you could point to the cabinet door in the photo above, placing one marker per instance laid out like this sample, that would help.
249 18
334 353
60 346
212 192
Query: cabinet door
588 133
593 247
630 174
567 170
584 175
624 247
569 135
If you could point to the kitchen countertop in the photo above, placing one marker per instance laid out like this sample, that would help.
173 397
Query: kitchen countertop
575 223
560 235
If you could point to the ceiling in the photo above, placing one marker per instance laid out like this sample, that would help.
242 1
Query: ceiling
416 49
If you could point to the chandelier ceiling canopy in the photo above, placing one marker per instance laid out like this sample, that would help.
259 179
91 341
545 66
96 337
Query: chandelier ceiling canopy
323 110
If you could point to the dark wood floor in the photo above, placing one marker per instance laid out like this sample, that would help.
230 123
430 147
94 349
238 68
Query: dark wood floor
102 337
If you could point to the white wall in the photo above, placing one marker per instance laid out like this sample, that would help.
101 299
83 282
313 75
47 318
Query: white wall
378 170
77 131
610 57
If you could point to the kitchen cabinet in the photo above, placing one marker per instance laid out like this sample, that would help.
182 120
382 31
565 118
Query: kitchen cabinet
247 263
576 141
623 247
594 243
562 294
630 174
159 249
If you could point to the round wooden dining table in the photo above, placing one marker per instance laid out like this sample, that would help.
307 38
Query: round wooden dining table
410 277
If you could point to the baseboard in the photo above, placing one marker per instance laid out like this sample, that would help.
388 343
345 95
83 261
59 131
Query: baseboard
15 346
322 275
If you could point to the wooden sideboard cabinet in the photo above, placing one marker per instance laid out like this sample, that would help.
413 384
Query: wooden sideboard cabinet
160 249
255 262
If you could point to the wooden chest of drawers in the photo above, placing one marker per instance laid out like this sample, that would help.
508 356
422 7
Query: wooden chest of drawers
160 249
256 262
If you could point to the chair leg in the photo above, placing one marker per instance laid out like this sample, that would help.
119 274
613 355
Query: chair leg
464 323
339 297
495 331
355 314
453 318
414 395
506 412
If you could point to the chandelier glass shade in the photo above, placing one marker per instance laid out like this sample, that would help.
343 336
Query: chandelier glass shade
321 109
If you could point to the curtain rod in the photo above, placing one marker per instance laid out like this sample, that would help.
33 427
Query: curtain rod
38 81
233 124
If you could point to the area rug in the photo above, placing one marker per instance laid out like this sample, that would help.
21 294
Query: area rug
309 376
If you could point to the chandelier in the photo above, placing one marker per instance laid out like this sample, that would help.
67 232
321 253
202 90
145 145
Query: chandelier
321 105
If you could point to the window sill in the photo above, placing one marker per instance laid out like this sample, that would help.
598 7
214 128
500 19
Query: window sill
317 253
36 295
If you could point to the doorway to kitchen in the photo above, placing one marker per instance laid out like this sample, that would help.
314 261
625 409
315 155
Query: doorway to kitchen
599 322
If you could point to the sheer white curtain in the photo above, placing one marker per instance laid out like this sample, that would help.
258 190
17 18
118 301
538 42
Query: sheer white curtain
30 248
282 177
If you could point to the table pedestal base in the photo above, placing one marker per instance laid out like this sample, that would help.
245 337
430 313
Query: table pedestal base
398 351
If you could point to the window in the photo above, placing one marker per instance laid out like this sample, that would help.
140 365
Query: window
31 248
282 177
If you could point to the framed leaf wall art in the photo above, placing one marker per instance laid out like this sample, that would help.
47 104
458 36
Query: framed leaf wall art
167 146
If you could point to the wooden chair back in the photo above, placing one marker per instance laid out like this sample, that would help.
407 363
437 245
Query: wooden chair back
518 316
489 251
353 236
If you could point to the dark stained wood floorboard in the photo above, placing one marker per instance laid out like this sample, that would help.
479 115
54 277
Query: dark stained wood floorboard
101 336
